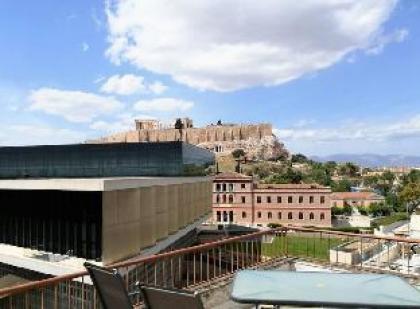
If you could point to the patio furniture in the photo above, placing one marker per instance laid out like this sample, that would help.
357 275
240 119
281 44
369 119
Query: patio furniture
343 290
161 298
110 287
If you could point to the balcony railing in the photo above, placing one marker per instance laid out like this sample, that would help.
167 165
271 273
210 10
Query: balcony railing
196 266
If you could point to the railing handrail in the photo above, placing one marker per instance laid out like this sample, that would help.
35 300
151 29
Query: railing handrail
370 236
152 258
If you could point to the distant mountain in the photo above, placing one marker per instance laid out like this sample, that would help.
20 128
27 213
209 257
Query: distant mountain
372 160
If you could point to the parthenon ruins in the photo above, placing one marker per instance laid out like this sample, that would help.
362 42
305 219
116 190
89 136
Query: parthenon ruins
257 140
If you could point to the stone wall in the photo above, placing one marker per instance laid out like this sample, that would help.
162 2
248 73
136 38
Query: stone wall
193 136
257 140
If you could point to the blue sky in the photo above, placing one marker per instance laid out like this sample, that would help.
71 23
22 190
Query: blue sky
330 78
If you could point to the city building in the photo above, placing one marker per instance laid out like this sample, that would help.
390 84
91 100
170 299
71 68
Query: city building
257 140
239 199
132 199
355 199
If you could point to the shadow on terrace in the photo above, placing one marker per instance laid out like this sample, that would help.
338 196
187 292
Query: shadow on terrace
209 268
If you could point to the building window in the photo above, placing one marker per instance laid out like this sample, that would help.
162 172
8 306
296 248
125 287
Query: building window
218 187
217 198
259 214
230 216
231 187
279 199
259 199
322 216
242 186
268 199
219 217
301 216
289 216
224 198
290 199
311 216
225 216
279 216
269 215
243 199
300 199
311 200
224 187
230 198
243 214
322 199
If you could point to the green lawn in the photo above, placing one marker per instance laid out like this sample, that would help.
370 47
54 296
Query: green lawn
301 246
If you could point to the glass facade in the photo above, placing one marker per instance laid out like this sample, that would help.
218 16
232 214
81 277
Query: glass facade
66 222
104 160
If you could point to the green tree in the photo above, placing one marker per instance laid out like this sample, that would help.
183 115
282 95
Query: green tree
289 176
341 186
379 209
238 153
410 195
412 177
330 166
319 174
348 169
336 211
347 210
392 200
388 176
299 158
371 181
362 210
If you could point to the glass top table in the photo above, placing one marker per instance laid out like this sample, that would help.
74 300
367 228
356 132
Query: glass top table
323 289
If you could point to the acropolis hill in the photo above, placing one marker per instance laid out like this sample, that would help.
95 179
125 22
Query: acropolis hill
257 140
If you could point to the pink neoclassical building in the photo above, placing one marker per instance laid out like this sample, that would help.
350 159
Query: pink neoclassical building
239 199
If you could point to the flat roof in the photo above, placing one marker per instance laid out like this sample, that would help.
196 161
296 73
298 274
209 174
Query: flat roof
95 184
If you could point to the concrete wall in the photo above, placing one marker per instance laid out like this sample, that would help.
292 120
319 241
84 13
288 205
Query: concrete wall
134 219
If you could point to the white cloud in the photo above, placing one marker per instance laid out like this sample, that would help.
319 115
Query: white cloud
163 105
75 106
38 134
372 132
85 47
233 44
378 46
157 87
124 84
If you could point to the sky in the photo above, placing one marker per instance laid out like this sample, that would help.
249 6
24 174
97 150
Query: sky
331 76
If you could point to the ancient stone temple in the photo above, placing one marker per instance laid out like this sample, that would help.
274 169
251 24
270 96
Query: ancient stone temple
257 140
